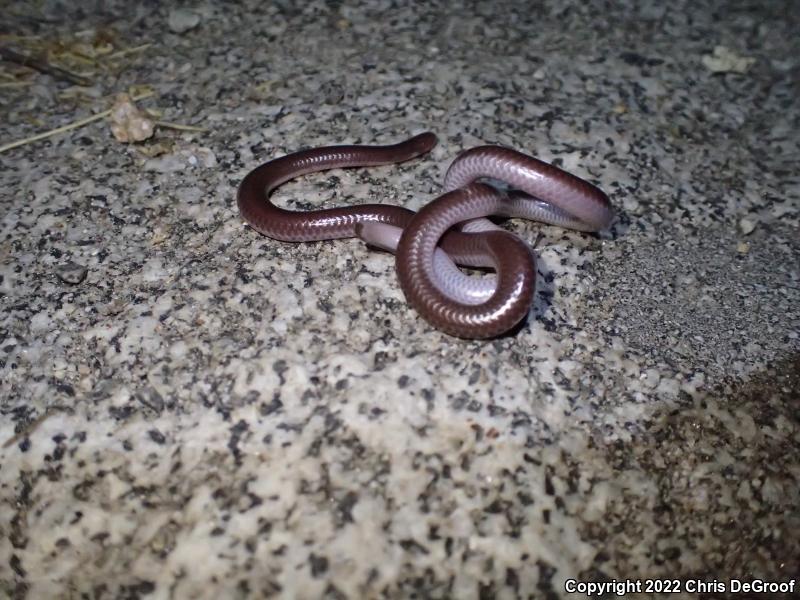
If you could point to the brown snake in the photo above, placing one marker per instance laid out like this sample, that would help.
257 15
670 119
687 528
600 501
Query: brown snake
427 244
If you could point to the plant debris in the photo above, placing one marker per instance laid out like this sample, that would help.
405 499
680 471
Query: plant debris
10 55
128 123
724 60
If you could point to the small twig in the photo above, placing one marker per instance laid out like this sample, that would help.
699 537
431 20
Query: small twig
126 51
10 37
15 84
70 126
81 58
180 127
43 66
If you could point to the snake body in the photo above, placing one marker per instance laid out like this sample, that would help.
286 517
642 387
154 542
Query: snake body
450 230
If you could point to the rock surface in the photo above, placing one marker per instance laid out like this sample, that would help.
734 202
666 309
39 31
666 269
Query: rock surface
208 413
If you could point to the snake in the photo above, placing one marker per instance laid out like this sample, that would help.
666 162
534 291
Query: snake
451 231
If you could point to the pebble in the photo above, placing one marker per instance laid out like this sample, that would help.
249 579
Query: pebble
182 20
71 272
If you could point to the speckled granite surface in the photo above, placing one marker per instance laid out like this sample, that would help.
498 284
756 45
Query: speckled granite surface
190 410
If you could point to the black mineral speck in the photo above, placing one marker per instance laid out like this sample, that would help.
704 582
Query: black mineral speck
319 564
16 565
545 585
157 436
237 431
346 506
413 547
271 407
512 579
280 367
548 485
637 60
146 587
